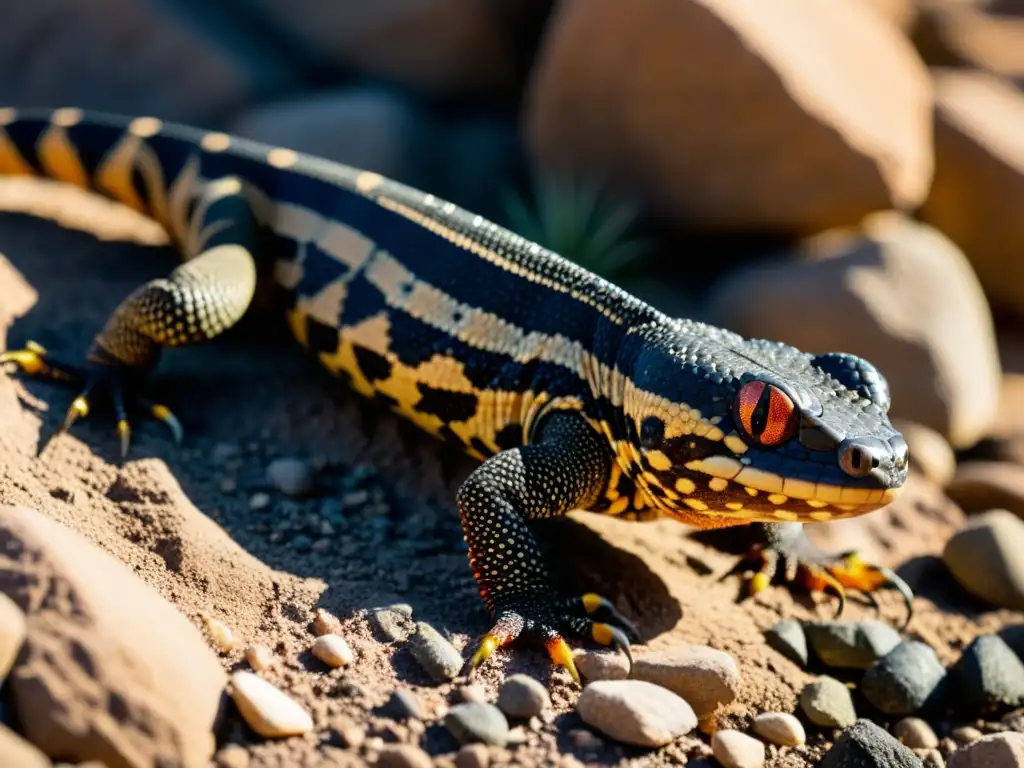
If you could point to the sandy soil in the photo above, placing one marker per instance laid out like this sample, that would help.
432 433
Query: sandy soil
380 526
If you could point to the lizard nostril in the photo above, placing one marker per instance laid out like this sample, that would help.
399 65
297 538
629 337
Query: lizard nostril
859 457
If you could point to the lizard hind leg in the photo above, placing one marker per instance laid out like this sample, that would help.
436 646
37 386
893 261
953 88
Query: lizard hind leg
198 301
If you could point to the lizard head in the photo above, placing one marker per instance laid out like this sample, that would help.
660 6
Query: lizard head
751 430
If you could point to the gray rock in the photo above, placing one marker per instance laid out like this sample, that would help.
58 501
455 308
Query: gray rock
915 733
905 680
865 745
522 696
706 678
402 705
827 702
292 477
635 712
900 294
987 559
788 638
987 676
474 722
998 750
390 625
438 658
849 644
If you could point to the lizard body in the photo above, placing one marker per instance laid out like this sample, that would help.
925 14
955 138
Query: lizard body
570 391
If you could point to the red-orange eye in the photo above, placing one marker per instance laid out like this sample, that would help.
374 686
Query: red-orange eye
765 413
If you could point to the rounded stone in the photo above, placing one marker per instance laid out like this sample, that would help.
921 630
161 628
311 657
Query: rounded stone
987 676
865 745
780 728
474 722
635 712
827 702
292 477
851 644
905 680
708 679
987 559
915 733
1002 750
522 696
267 709
734 749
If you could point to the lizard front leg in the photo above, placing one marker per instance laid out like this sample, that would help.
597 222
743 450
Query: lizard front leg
564 468
784 548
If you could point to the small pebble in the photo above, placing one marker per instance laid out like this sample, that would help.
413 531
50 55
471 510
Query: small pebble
966 734
259 657
259 500
827 702
865 745
905 680
472 692
708 679
473 756
635 712
350 733
222 453
930 758
268 710
522 696
438 658
473 722
333 650
998 750
325 623
403 705
780 728
232 756
221 635
987 676
292 477
601 665
585 740
851 644
734 749
390 625
915 733
403 756
788 638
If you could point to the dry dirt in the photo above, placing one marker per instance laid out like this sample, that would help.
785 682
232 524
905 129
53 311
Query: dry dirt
181 516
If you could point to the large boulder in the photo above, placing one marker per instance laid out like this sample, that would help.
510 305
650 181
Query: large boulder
897 293
109 670
735 115
979 178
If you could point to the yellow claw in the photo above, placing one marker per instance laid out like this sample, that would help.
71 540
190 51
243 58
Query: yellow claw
163 413
124 432
759 582
487 647
78 409
592 602
561 654
820 578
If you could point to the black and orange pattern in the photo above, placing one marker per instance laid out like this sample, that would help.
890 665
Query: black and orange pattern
572 392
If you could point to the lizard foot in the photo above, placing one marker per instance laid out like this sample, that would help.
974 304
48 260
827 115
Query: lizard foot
34 361
789 552
550 620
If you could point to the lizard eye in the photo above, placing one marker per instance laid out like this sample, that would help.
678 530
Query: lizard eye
765 413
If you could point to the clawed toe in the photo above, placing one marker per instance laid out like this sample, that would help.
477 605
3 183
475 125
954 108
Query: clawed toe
552 623
34 361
